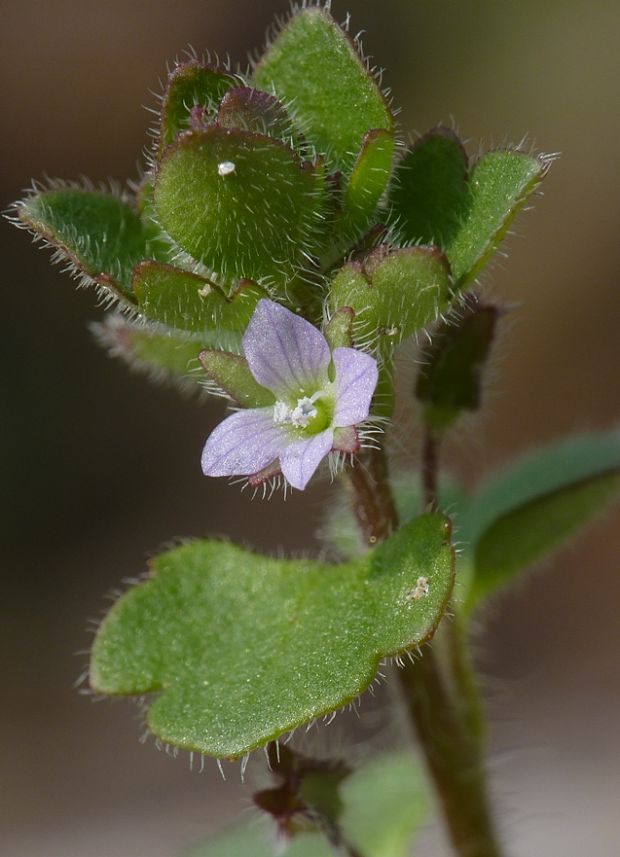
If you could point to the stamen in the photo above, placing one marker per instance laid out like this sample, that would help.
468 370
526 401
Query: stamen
282 414
305 412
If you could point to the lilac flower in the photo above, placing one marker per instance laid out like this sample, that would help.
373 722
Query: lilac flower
320 397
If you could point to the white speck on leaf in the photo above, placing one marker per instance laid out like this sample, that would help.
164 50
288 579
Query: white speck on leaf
420 590
225 168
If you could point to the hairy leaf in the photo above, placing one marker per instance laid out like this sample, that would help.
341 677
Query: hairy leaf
500 184
438 199
191 85
368 180
450 377
430 193
243 648
240 203
101 234
536 505
393 292
187 301
232 374
253 110
162 354
313 67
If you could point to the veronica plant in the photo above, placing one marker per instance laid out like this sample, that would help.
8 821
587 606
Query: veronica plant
282 248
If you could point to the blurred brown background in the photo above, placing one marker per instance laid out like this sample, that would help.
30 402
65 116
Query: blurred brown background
99 468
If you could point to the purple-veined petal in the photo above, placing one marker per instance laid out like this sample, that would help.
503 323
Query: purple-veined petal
301 458
285 353
355 382
243 444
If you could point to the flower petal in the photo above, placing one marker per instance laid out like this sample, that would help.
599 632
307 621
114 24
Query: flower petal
243 444
302 457
355 382
285 353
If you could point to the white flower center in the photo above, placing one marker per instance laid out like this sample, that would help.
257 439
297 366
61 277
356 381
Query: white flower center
300 416
226 168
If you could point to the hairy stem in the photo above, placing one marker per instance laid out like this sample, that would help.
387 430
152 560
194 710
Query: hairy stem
441 696
453 757
430 468
373 503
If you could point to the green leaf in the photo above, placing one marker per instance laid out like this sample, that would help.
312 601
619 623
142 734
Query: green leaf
243 648
232 374
338 330
500 184
393 292
450 377
242 204
537 504
191 85
253 110
257 839
431 194
187 301
437 199
101 234
368 180
160 353
385 802
313 67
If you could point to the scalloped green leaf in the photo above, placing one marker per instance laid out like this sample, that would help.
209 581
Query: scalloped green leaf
187 301
393 292
466 212
192 85
314 68
242 648
385 802
242 204
101 234
231 373
160 353
450 376
536 505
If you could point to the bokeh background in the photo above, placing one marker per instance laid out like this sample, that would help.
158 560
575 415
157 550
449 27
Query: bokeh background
99 468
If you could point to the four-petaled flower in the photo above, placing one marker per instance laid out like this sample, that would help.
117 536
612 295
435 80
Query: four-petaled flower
320 396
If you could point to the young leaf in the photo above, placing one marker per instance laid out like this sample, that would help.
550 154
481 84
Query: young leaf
339 329
242 204
187 301
450 378
191 85
232 374
243 648
437 199
527 512
393 292
431 194
253 110
99 233
368 180
500 184
384 802
160 353
313 67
